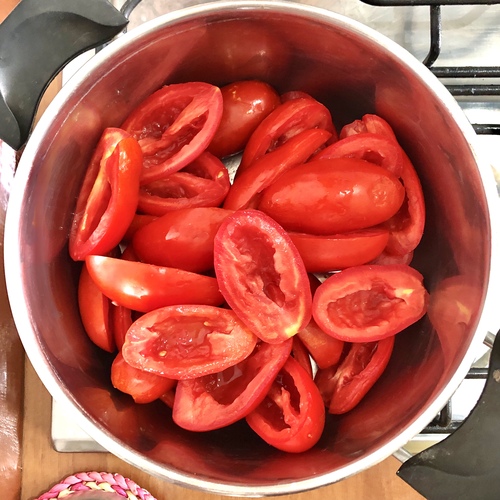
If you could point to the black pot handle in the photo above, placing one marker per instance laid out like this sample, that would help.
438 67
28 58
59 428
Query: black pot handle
465 465
37 40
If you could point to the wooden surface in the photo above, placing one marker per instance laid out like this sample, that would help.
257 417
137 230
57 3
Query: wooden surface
43 467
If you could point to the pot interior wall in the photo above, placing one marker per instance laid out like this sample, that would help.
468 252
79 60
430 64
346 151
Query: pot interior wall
353 75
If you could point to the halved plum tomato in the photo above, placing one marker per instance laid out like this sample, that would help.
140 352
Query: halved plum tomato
220 399
183 239
330 253
333 196
174 125
94 309
245 191
375 148
203 183
369 123
144 387
287 120
324 349
245 104
108 197
407 225
292 415
261 275
368 303
343 387
144 287
187 341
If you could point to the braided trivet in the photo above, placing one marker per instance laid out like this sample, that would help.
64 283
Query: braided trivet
104 481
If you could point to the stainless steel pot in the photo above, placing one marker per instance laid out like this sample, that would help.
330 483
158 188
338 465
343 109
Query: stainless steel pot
353 70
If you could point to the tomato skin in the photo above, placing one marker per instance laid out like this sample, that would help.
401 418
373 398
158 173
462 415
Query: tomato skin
214 401
375 148
245 104
183 239
287 120
94 310
246 189
174 125
139 220
187 341
292 416
261 275
144 387
203 183
323 348
109 195
329 253
327 190
121 319
370 302
343 387
144 287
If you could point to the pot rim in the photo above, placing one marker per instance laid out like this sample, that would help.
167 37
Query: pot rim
13 258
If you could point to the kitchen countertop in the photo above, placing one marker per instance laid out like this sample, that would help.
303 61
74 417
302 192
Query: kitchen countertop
29 465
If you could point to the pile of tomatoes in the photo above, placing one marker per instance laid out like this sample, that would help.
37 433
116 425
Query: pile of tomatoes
272 296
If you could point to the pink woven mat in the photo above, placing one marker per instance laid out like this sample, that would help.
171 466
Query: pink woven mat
103 481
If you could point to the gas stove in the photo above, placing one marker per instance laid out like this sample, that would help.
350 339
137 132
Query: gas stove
459 41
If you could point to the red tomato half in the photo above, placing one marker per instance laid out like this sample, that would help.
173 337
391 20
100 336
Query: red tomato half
374 148
220 399
144 387
174 125
343 387
261 275
369 123
407 226
109 195
292 415
287 120
323 348
203 183
245 105
187 341
338 251
369 303
245 191
183 239
94 310
144 287
332 196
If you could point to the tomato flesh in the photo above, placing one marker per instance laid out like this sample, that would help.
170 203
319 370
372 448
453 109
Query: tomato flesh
292 415
183 342
220 399
370 302
261 275
344 386
108 197
174 125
